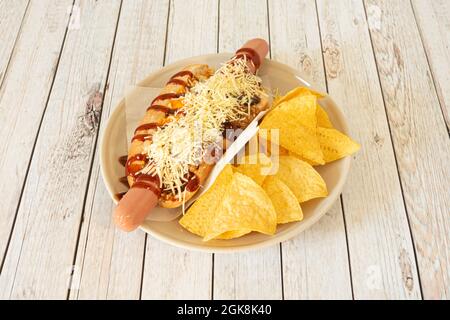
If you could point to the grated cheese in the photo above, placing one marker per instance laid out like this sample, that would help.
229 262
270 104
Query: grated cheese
207 106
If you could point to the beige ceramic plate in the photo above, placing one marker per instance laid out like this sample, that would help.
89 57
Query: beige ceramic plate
284 78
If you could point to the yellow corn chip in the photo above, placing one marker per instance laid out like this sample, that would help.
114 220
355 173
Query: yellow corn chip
232 234
305 182
285 152
299 91
296 121
300 110
255 166
283 199
322 118
200 215
245 206
335 144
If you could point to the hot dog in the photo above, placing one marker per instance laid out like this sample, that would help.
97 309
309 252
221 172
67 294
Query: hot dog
147 189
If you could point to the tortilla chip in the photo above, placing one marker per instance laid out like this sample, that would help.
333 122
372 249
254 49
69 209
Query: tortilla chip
296 121
304 181
200 215
245 206
232 234
335 145
322 118
255 166
283 199
299 91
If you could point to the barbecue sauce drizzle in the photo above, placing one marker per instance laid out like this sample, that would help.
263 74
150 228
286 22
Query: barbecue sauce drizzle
152 182
146 181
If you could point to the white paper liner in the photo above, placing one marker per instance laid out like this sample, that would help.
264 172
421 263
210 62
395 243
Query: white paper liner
138 99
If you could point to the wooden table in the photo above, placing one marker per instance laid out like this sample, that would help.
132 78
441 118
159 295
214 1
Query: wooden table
65 64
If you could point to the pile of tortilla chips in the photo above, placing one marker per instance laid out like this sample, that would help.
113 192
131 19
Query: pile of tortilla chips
256 196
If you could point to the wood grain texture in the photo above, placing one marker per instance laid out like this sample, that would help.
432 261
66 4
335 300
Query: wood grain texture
11 17
42 247
384 62
23 100
254 274
315 263
110 261
433 19
420 139
248 275
380 246
295 38
172 273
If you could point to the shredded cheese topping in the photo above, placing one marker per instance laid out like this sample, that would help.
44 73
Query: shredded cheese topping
225 96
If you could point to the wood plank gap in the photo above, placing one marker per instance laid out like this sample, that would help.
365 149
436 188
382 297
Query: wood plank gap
164 63
433 76
2 78
87 239
94 148
33 149
212 276
217 50
237 273
268 28
167 32
280 251
378 273
106 255
281 271
326 81
395 154
218 26
143 266
348 249
340 196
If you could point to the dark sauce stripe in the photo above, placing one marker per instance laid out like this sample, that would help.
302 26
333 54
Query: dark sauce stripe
146 126
183 74
131 168
252 54
178 81
193 184
166 96
145 181
161 108
120 195
124 180
142 137
123 160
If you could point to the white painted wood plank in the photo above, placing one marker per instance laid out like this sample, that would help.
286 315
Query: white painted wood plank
254 274
11 17
169 272
433 18
110 261
315 264
380 247
420 138
23 100
39 263
248 275
294 32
